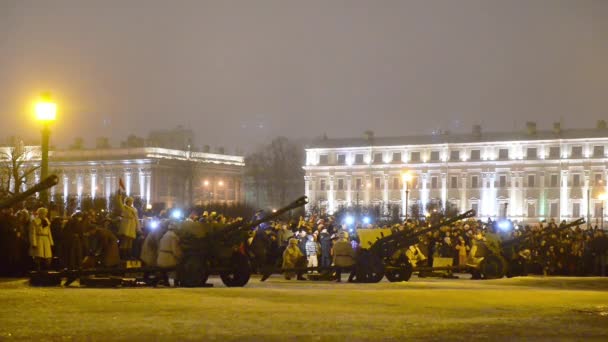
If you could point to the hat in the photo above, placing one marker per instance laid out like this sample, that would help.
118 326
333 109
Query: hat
293 241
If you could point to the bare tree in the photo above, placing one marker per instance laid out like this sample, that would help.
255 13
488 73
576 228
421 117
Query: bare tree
275 172
15 167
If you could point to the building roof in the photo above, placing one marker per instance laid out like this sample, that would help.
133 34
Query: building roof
131 153
459 138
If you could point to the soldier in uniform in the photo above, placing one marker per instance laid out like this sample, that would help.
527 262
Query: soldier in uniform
129 226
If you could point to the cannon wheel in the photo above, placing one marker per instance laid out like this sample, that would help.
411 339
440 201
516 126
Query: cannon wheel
370 268
192 272
403 273
493 267
239 275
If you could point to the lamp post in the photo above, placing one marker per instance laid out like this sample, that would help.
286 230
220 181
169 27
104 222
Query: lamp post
406 177
46 112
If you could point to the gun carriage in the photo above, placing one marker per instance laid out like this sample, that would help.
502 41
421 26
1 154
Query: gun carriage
501 259
384 257
208 249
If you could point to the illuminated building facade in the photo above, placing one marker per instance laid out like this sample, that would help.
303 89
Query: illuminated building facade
156 175
527 176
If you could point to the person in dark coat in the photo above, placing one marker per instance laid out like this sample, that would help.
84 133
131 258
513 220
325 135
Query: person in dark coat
105 253
325 241
74 243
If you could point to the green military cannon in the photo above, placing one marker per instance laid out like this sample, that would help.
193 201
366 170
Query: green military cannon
218 249
382 256
498 259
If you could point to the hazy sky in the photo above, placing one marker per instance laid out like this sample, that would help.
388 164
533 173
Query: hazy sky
241 72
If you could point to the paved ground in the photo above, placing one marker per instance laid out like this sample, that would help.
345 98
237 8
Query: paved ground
423 309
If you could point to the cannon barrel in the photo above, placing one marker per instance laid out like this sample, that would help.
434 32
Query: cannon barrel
241 226
387 245
519 239
46 183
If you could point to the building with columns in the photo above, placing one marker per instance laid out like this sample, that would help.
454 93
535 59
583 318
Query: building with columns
526 176
156 175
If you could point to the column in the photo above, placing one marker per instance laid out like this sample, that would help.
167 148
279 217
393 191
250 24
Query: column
385 193
444 191
463 193
586 205
492 195
79 186
128 182
367 185
511 211
331 200
307 192
424 192
148 186
349 190
93 176
564 209
483 208
404 199
142 182
542 196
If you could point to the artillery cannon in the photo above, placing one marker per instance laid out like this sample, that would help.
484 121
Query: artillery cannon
378 260
46 183
501 260
207 250
216 251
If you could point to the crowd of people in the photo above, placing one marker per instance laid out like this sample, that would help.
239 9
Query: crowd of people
34 239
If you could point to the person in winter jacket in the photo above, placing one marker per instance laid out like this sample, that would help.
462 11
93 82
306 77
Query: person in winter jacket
129 226
169 252
41 239
149 251
292 258
343 254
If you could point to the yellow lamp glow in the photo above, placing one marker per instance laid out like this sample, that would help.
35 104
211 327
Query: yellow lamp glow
46 111
602 197
406 177
220 183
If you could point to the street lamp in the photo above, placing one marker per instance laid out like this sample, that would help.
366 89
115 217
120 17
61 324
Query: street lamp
406 177
46 112
602 197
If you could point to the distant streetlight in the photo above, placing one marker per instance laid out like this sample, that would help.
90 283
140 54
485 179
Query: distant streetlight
46 113
407 178
220 183
206 183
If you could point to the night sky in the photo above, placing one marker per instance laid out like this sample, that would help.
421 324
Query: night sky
242 72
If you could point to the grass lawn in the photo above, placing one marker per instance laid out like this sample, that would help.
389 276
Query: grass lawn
424 309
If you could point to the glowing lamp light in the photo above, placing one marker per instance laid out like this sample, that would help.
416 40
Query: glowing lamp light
176 214
206 183
603 197
220 183
46 111
154 225
504 225
406 177
367 220
349 220
274 210
149 206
